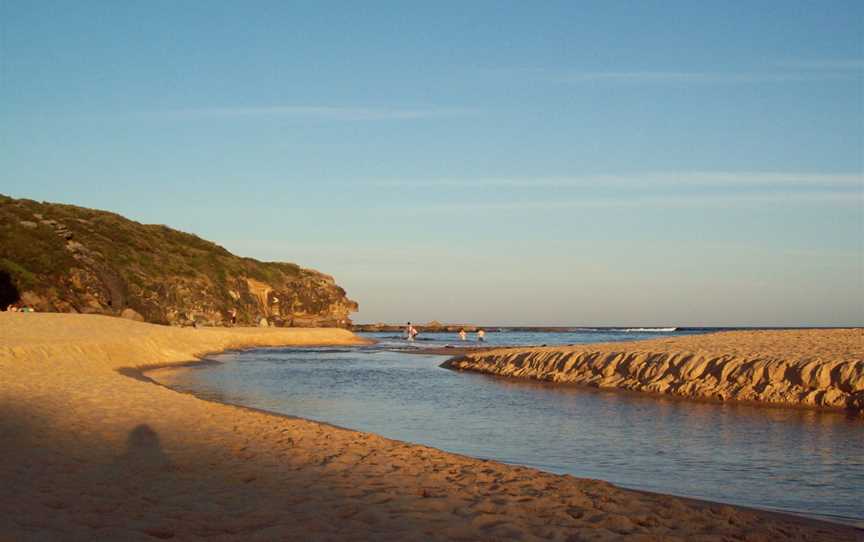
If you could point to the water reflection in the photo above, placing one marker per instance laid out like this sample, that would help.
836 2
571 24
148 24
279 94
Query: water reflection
792 459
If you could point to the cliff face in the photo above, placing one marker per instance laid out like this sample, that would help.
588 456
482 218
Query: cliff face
62 258
815 368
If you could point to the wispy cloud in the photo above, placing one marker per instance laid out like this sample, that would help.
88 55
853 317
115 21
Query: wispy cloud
850 181
666 190
321 112
644 201
701 77
781 71
835 64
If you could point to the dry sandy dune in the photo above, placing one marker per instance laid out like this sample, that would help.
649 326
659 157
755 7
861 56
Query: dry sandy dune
91 454
813 368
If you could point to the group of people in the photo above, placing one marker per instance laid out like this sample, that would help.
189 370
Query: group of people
411 332
481 335
14 307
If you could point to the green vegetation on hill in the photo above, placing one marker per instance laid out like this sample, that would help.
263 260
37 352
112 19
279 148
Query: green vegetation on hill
73 259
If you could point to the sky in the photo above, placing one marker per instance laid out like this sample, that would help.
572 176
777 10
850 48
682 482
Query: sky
537 163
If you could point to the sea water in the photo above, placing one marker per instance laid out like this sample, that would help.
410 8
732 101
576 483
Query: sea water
801 461
523 337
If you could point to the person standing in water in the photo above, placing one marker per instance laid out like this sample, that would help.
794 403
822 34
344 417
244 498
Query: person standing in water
481 335
410 332
462 334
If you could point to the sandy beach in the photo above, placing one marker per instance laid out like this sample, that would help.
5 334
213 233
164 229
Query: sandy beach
91 452
814 368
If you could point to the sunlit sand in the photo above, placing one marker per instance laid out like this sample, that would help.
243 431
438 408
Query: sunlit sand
822 368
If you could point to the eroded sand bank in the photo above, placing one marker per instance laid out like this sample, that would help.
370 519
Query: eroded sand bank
815 368
91 454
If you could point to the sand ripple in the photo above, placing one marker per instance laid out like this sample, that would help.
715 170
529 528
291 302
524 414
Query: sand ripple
814 368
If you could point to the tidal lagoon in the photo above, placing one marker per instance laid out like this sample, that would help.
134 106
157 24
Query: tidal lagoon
803 461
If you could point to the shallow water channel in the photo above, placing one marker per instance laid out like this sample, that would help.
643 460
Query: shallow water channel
802 461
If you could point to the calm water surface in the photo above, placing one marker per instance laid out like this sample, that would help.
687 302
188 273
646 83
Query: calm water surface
529 338
784 459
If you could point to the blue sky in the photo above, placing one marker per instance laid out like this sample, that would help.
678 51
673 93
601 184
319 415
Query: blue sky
574 163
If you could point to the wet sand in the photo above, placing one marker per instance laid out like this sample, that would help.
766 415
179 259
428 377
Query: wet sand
90 453
817 368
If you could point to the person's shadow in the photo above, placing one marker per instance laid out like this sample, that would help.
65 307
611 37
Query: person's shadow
144 452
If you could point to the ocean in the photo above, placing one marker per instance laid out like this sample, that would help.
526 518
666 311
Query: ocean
504 336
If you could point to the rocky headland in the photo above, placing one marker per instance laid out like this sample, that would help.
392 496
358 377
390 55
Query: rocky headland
94 451
63 258
821 368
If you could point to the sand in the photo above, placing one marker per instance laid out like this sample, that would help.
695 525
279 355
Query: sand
810 368
90 453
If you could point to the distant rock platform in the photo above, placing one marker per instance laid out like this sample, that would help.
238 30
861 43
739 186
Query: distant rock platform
429 327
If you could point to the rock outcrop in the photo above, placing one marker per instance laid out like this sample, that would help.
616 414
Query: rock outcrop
815 368
63 258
